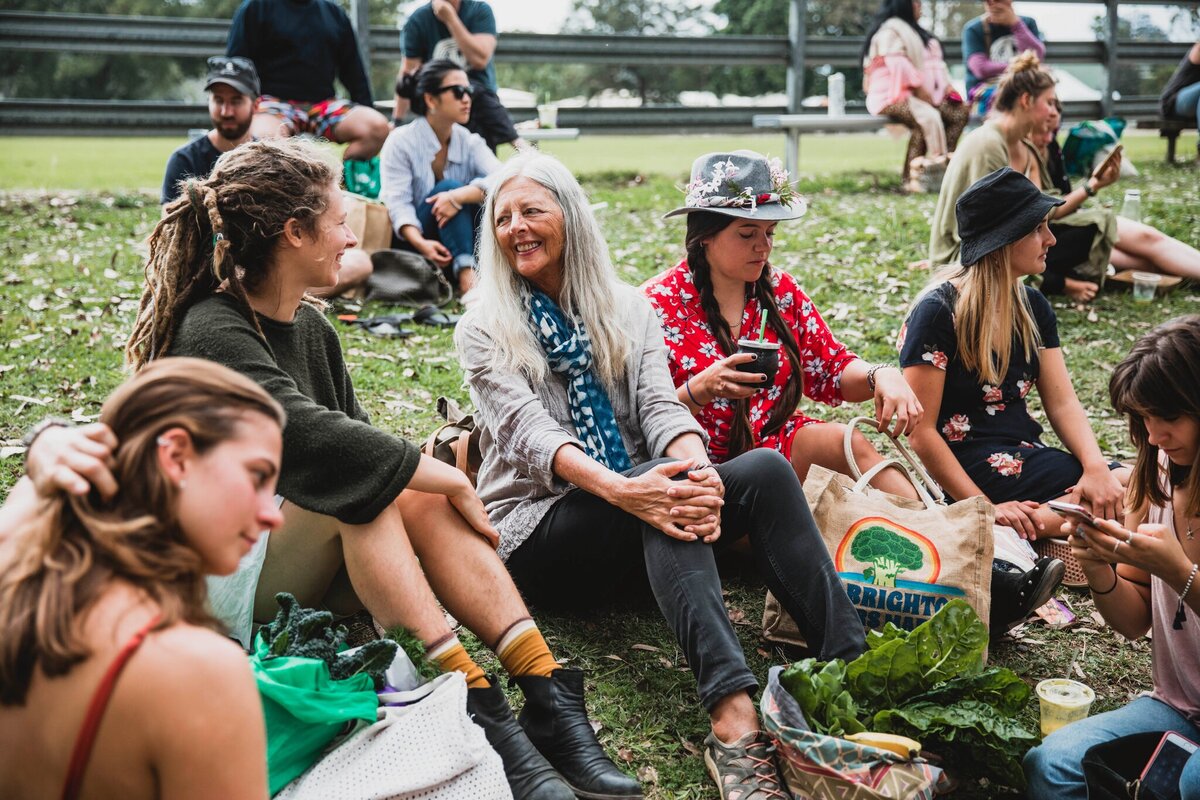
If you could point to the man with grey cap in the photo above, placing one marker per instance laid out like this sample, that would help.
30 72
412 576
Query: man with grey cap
232 87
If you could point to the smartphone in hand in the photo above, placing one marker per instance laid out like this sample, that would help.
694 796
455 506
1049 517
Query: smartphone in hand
1108 160
1073 511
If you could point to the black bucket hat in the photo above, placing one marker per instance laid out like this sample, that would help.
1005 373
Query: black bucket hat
997 210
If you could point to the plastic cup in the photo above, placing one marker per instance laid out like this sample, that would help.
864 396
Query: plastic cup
767 362
1063 701
1144 286
547 116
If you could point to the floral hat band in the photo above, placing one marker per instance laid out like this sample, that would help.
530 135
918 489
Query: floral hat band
741 184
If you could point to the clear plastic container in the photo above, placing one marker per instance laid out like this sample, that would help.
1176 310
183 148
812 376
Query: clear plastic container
1132 207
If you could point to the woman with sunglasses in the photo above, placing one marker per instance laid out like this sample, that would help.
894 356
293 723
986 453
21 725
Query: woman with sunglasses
435 172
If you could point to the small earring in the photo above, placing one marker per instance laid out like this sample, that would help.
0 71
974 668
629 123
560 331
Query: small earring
182 484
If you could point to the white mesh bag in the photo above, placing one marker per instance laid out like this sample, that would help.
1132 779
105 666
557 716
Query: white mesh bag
427 749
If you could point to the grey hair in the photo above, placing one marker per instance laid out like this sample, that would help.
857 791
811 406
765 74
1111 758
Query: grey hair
589 285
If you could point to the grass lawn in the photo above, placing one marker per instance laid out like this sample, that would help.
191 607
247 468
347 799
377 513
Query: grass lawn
71 274
111 164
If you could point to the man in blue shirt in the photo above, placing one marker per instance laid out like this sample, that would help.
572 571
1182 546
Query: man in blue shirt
463 31
299 47
232 87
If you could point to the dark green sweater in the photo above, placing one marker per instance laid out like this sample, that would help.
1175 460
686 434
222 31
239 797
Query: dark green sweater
334 461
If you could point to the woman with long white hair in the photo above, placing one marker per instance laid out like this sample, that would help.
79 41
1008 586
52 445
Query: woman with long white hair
596 476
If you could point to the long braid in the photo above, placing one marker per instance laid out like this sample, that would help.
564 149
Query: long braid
703 225
741 435
764 292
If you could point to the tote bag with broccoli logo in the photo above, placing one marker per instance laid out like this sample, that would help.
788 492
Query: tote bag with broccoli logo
900 560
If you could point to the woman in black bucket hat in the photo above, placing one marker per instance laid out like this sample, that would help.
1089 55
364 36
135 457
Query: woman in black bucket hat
975 343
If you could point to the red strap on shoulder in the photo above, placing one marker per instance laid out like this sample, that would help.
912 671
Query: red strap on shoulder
95 713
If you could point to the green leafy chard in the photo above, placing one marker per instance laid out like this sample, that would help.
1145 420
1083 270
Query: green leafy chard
929 684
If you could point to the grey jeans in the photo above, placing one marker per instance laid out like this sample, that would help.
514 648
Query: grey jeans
587 551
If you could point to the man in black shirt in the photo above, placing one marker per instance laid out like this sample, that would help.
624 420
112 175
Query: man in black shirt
299 47
232 87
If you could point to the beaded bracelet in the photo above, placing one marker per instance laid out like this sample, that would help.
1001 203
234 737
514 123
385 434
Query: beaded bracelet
871 374
1186 588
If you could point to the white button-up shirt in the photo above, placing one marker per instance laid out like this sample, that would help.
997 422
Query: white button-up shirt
406 167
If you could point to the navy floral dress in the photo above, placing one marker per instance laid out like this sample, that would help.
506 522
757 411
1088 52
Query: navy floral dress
988 428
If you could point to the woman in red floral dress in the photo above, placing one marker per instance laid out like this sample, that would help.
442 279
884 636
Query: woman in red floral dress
718 294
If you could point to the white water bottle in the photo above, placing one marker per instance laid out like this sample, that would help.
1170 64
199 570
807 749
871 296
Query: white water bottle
837 94
1132 207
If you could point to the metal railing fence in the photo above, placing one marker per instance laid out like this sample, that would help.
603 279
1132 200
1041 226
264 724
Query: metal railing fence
190 37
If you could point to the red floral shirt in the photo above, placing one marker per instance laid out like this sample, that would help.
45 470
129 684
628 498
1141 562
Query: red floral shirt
692 348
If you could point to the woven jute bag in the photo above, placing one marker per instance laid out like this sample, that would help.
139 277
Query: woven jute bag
900 560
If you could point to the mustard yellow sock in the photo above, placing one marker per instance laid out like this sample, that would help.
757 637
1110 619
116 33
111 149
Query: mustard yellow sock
523 651
451 656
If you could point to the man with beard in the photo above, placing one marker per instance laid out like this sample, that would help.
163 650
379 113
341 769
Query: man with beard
232 87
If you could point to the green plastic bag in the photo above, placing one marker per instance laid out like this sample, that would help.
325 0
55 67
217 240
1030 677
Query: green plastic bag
362 177
305 709
1087 139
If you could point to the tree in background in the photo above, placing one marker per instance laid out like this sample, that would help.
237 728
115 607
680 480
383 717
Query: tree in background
654 83
107 76
770 18
1138 79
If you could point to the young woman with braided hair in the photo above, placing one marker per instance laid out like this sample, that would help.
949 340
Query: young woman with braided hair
717 295
367 519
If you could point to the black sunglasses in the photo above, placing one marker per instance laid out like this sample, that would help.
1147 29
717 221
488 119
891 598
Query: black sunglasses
227 63
460 91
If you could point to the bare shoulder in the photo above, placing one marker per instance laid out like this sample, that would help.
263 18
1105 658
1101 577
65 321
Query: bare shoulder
199 687
187 655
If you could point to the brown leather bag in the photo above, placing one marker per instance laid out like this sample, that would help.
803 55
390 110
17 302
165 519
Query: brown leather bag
456 442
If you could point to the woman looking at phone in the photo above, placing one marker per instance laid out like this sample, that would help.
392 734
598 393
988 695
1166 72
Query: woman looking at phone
1025 106
1142 575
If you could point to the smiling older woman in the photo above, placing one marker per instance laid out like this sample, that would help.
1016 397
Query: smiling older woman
596 476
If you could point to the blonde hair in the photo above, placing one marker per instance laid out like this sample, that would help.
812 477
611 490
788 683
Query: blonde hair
222 232
590 284
991 308
60 563
1024 75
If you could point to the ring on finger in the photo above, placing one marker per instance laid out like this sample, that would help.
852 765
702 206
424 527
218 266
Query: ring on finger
1079 530
1129 539
1117 547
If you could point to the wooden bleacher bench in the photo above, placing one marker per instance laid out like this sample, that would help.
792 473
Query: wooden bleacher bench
1169 129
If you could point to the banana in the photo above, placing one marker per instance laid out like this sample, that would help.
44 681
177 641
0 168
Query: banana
900 745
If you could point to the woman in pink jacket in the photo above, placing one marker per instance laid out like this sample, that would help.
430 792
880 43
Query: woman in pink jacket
905 78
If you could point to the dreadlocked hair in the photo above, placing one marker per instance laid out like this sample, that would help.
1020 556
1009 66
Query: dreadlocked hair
702 225
220 234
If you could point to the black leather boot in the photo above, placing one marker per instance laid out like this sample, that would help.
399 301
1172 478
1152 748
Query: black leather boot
555 719
1017 594
529 775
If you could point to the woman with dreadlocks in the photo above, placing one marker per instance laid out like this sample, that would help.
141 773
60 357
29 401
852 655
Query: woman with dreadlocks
367 519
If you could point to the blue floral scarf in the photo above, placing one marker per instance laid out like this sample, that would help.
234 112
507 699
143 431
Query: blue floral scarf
569 351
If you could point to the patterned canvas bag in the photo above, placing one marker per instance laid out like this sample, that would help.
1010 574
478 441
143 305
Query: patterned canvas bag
900 560
817 766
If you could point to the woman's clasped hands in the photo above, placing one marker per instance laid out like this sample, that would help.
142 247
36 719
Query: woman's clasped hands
682 499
